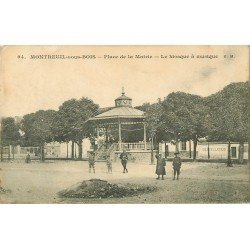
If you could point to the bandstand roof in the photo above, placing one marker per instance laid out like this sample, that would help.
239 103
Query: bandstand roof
123 110
120 112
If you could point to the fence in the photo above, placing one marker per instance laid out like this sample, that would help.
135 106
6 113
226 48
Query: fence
14 152
135 146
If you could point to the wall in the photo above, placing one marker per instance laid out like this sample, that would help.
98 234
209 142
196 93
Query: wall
220 150
217 150
51 150
59 150
137 156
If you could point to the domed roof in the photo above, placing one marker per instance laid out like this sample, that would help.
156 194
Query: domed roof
123 97
123 109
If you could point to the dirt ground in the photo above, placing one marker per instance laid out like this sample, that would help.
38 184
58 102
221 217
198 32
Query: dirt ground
199 182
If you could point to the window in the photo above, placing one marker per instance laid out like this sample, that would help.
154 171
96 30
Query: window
183 146
166 151
233 152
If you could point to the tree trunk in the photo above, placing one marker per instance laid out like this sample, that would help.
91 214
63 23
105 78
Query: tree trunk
67 150
1 149
13 152
208 151
176 144
42 153
166 150
195 147
248 152
106 137
155 142
190 151
72 150
241 153
229 160
80 150
152 150
9 152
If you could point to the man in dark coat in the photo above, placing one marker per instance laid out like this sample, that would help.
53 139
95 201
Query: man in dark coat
176 165
160 166
124 160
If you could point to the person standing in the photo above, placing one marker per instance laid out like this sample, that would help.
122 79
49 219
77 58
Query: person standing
124 160
177 165
92 162
160 166
109 164
27 159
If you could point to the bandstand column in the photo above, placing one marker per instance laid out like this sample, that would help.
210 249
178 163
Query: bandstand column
145 136
97 132
106 134
120 134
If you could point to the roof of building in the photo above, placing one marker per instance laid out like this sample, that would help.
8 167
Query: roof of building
122 112
123 97
102 110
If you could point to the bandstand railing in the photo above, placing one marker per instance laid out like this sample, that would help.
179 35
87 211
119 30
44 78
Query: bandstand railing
135 146
112 149
99 151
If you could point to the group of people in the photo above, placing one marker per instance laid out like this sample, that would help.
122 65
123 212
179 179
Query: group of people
160 165
109 162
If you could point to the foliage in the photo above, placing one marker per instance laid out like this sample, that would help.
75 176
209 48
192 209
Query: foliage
153 120
38 127
223 116
230 113
184 116
9 132
70 122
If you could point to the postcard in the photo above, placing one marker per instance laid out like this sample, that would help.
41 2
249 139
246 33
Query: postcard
124 124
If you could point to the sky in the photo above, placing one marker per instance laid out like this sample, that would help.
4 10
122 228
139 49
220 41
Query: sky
28 85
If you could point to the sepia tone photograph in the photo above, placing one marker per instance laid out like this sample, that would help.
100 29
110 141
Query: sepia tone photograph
124 124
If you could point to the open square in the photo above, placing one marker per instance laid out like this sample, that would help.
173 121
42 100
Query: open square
199 182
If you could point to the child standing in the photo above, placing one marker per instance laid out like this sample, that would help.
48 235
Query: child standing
177 165
109 163
92 162
124 160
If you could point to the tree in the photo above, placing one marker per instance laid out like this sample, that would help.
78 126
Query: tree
184 118
153 121
70 123
38 129
230 116
9 134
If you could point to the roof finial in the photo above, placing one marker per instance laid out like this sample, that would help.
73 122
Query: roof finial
123 92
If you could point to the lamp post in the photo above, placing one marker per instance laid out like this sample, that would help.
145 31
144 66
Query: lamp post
208 151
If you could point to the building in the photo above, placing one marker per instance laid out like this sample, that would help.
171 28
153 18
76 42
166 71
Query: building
204 150
114 124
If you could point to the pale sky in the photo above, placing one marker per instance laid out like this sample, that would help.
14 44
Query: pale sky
28 85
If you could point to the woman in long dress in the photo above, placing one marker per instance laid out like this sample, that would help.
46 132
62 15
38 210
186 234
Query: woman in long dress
160 166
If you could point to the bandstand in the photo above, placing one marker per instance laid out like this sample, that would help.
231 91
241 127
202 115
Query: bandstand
114 124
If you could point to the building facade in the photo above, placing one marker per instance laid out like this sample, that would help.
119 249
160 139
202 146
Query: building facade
204 150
